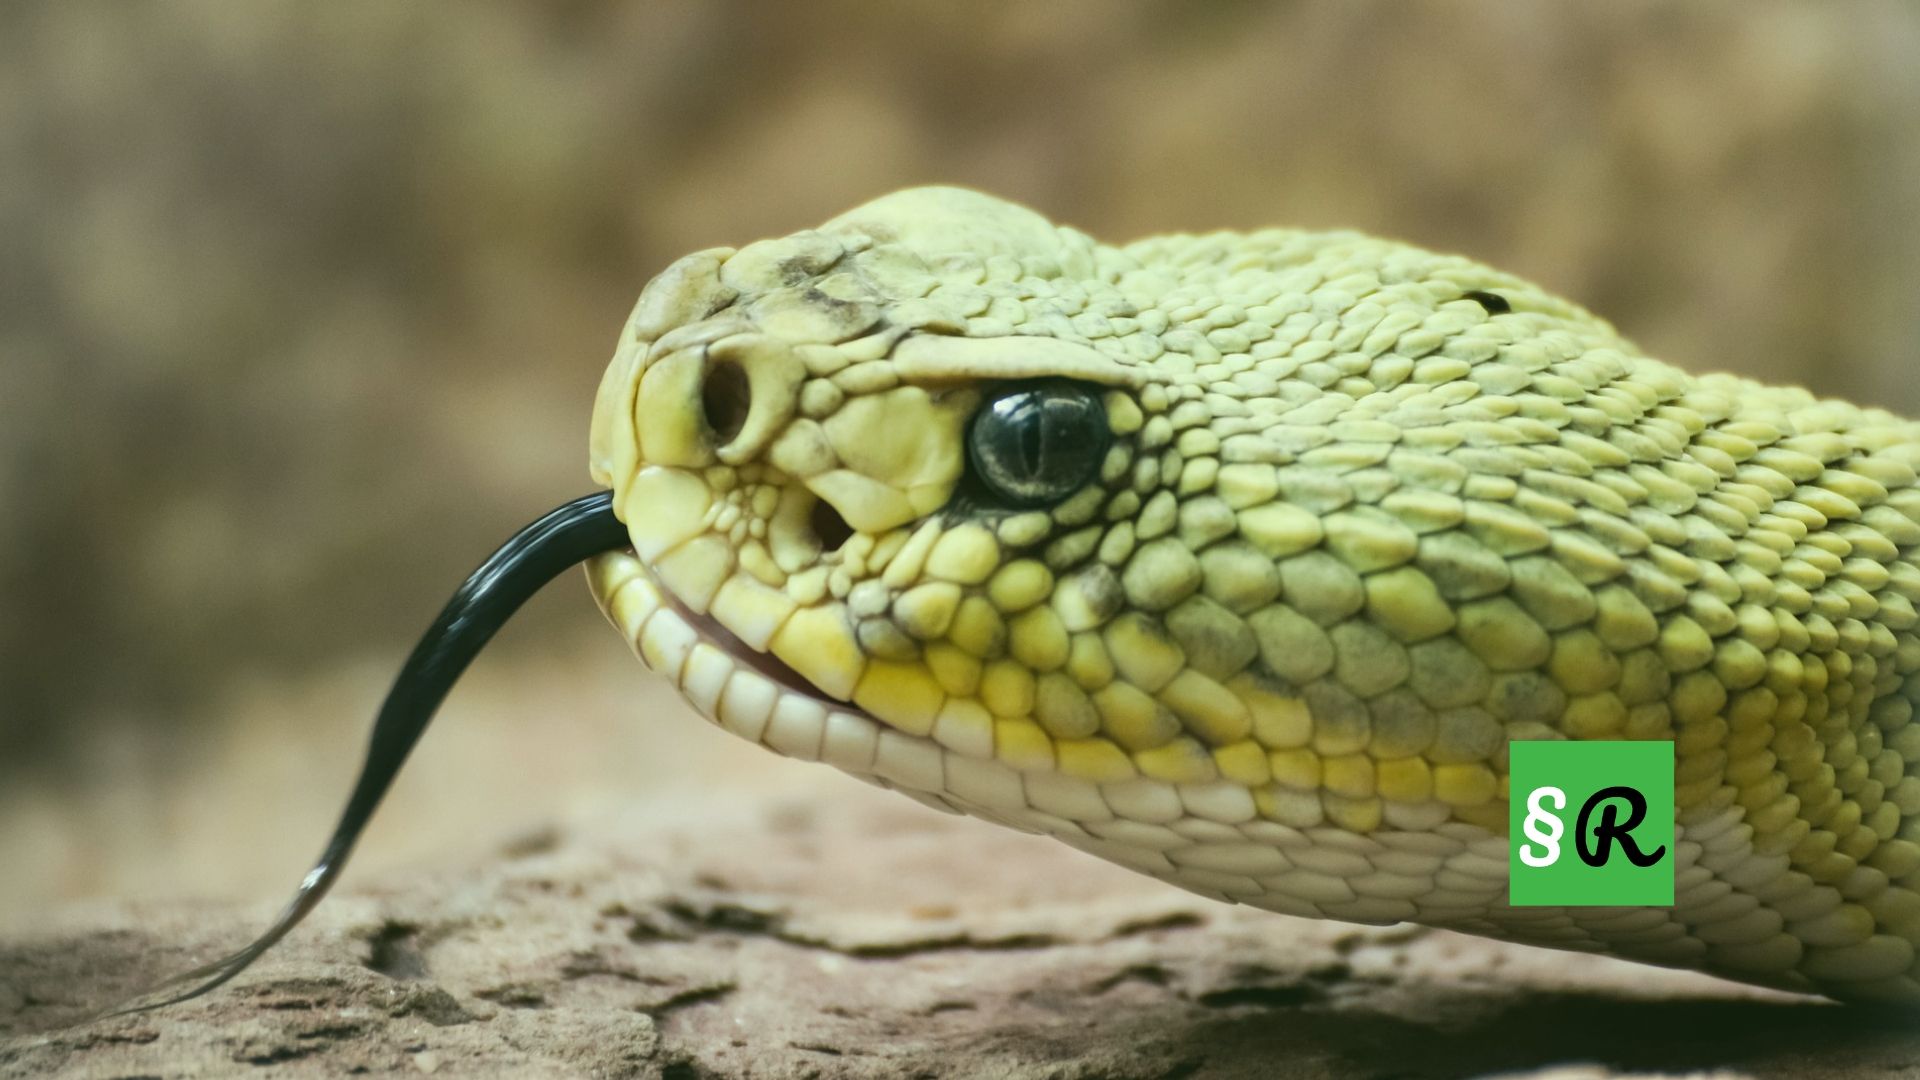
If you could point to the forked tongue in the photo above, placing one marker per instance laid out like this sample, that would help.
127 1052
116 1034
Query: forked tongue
484 602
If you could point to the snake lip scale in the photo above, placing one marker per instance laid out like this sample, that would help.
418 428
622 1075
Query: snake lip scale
712 633
1241 559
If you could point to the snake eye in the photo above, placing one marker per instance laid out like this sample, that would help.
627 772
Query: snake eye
1036 443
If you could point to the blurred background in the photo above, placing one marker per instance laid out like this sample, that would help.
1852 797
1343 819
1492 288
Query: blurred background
302 308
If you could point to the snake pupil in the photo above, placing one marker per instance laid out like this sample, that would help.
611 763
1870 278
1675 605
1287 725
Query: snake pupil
724 397
1032 454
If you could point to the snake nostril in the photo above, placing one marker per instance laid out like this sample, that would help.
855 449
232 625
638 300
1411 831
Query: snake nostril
724 399
828 525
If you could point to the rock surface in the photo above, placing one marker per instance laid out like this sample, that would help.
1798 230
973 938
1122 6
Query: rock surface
868 937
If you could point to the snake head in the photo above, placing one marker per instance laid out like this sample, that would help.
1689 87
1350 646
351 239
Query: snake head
941 489
841 454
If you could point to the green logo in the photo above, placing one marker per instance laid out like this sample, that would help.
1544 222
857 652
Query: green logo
1592 823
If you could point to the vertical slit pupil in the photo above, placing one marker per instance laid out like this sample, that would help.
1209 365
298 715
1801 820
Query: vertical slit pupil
724 398
1032 442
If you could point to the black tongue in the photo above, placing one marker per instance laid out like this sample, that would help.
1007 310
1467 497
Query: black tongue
484 602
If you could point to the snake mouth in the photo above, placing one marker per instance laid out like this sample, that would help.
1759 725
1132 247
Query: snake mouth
753 694
715 633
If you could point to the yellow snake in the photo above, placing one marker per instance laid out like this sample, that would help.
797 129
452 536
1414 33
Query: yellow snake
1240 559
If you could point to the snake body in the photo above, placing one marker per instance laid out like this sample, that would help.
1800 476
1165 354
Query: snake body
1367 514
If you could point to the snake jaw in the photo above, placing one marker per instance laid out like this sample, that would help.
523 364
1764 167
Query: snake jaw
752 694
614 571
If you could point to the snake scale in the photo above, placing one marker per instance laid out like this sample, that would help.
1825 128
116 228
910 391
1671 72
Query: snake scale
1240 560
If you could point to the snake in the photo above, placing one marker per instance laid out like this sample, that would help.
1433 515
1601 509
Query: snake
1242 560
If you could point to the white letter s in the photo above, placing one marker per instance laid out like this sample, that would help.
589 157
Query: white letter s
1543 827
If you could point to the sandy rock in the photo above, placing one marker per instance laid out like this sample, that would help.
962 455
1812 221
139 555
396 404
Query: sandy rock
871 938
